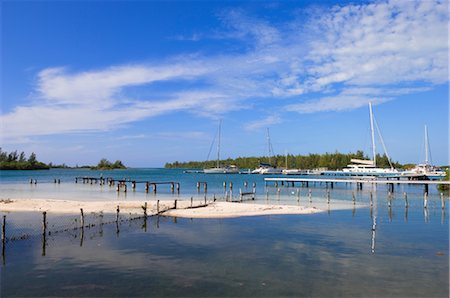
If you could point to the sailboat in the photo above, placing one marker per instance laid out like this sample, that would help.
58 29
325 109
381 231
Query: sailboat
288 171
369 167
426 170
229 169
267 168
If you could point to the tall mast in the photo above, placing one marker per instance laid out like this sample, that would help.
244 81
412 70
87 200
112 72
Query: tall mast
426 145
218 145
373 136
268 145
286 159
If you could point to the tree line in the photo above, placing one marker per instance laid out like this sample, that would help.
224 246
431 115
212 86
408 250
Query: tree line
332 161
19 161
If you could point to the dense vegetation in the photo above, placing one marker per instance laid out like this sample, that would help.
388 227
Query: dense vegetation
332 161
105 164
15 161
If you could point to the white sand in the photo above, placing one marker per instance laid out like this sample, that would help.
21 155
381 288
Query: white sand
212 210
228 209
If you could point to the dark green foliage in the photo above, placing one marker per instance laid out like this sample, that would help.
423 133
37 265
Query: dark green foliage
105 164
332 161
14 161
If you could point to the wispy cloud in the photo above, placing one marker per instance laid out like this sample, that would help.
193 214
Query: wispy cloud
263 123
345 56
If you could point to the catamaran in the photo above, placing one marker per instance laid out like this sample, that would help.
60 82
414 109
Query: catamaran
363 167
229 169
426 170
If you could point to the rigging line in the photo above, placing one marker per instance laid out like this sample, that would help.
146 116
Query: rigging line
382 143
212 144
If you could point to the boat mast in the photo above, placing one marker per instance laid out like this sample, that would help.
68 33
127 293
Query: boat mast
218 145
373 135
268 145
426 145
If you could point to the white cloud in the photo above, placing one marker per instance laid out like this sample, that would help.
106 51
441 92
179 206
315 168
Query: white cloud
360 53
263 123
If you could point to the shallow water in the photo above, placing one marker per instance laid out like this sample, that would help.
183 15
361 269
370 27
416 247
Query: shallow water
330 254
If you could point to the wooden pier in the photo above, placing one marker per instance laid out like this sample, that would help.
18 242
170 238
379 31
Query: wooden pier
122 183
359 182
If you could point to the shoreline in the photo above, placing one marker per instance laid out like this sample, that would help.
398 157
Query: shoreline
184 207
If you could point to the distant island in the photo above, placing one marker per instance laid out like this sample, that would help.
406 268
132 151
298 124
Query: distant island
15 161
331 161
105 164
19 161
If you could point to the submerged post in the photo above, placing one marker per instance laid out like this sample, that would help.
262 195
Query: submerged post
157 206
425 200
442 201
328 196
406 199
145 209
82 218
353 198
117 214
371 199
309 196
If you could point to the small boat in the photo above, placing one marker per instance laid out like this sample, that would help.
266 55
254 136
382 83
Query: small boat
425 170
229 169
267 168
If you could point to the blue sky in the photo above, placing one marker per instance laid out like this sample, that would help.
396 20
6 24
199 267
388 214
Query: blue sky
146 82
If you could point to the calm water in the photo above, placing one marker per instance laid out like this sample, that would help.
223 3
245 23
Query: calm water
328 254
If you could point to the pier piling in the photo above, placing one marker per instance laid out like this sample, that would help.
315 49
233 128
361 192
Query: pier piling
81 218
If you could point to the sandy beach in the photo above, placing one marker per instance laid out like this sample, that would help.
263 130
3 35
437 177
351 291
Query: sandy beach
184 207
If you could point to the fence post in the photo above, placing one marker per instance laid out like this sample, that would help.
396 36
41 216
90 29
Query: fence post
145 209
44 232
406 199
117 214
82 218
4 229
442 201
157 206
425 200
175 204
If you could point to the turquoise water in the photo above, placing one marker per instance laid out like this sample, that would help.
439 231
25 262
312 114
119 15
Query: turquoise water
329 254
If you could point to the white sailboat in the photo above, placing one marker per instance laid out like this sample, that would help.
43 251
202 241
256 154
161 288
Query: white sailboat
288 171
229 169
369 167
267 168
426 170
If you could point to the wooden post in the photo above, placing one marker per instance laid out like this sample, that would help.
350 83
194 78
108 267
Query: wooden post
154 187
118 187
178 187
245 184
172 187
206 187
82 218
328 196
133 185
198 186
124 187
425 200
224 185
76 180
240 195
231 186
146 187
298 194
442 201
157 206
371 199
353 198
205 199
145 209
309 196
44 232
175 204
192 200
117 214
406 199
4 230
